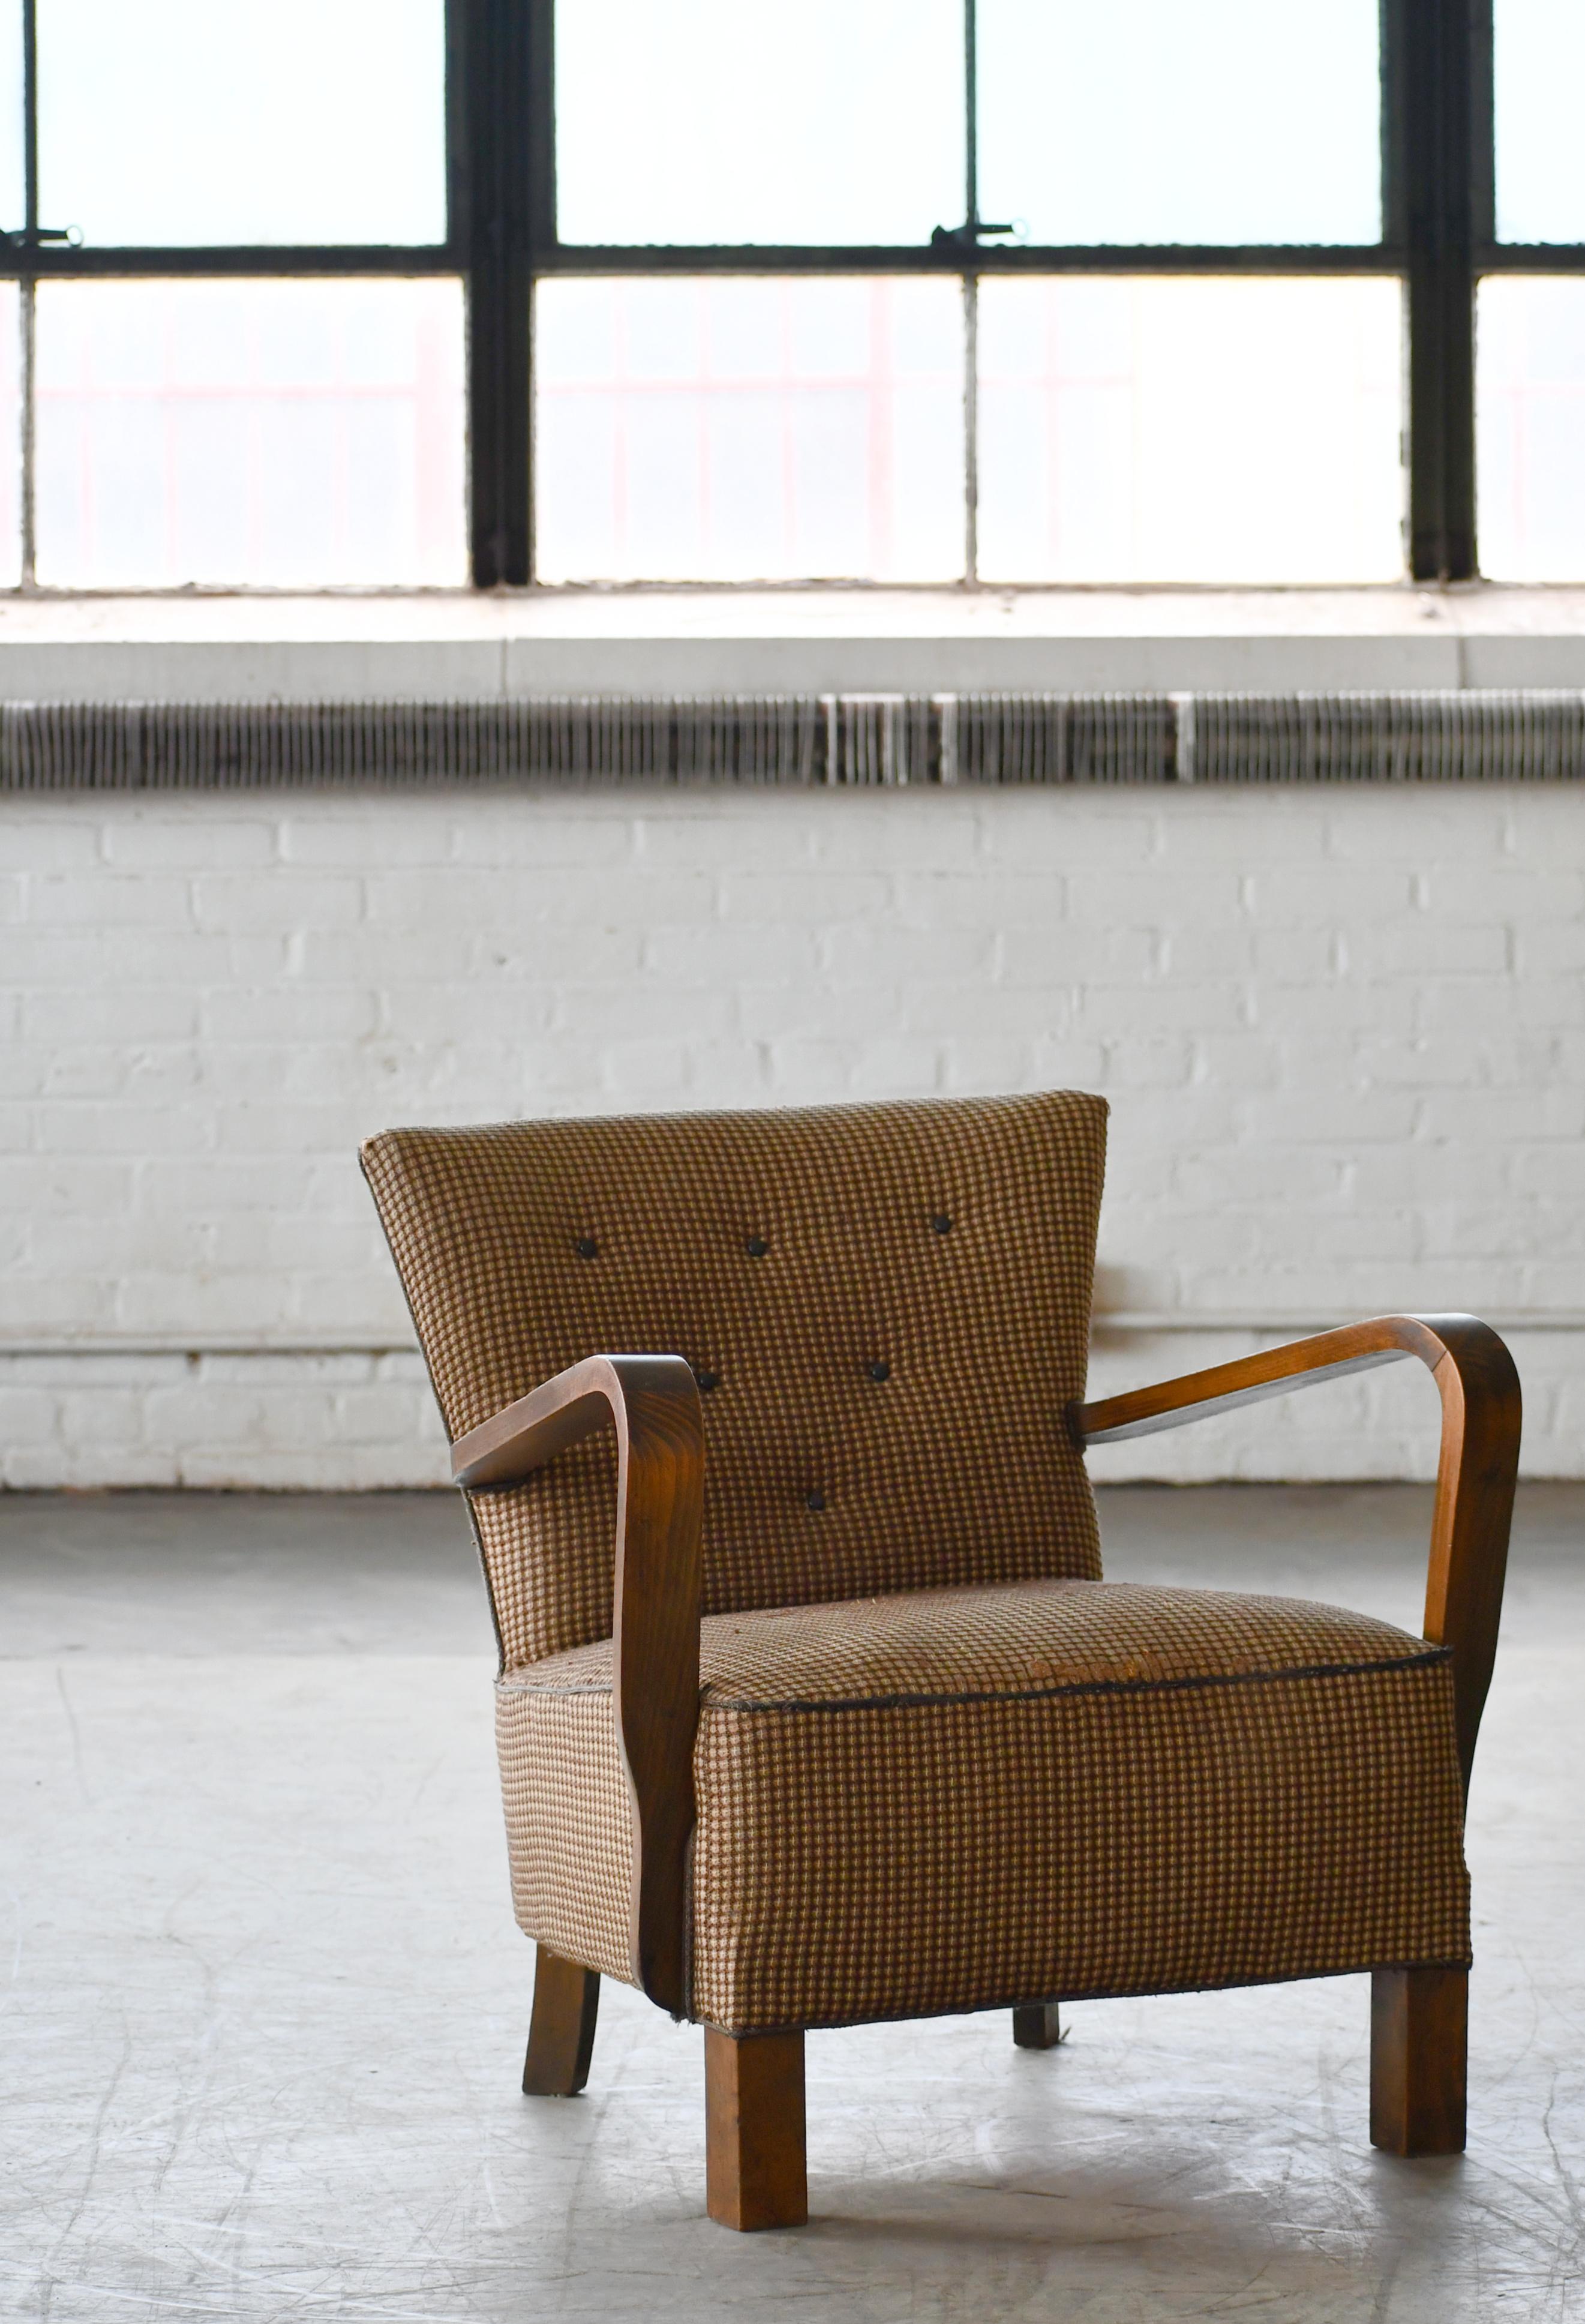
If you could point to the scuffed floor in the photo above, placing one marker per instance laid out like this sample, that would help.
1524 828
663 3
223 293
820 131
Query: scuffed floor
266 2006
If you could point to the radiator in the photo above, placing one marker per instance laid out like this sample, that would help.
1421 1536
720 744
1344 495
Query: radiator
833 739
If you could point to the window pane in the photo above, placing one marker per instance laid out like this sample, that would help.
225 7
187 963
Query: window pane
10 436
12 188
1539 64
243 121
1203 429
270 432
1152 121
707 121
733 430
1530 428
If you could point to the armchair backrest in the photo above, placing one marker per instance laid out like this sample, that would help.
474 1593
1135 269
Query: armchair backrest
887 1307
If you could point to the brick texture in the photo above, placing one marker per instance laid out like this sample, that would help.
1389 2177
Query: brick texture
1341 1030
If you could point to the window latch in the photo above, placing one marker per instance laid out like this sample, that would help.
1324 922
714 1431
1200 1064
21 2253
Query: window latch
968 236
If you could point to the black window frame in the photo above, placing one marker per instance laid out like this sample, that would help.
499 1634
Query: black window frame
1439 237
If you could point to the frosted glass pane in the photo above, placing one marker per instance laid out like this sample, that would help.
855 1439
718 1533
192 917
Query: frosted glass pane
1152 121
1539 65
710 120
10 436
1211 429
13 186
1530 428
281 433
243 121
733 430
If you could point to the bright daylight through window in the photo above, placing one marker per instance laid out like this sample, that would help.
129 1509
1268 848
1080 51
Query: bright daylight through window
411 293
197 424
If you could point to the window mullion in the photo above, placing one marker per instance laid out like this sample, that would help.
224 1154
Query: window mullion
27 317
1435 65
504 56
971 297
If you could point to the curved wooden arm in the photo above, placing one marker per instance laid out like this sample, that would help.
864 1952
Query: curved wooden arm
654 1403
1480 1416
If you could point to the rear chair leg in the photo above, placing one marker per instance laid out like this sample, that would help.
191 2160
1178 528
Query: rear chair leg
754 2160
561 2031
1036 2025
1419 2024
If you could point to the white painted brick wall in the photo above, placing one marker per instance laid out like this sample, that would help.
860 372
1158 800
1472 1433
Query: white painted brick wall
1342 1032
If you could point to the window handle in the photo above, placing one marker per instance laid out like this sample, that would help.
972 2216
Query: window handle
970 236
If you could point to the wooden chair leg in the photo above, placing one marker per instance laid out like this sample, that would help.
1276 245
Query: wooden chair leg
1419 2023
561 2031
754 2160
1036 2025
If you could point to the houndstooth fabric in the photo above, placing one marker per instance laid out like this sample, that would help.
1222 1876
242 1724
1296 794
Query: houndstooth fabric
966 1798
568 1820
887 1307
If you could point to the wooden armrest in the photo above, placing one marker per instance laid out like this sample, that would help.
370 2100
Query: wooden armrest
1481 1419
654 1402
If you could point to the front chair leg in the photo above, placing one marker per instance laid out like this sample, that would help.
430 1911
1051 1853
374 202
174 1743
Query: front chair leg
1036 2025
561 2031
754 2160
1419 2025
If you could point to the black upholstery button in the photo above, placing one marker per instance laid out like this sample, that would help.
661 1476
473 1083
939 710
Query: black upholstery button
815 1500
756 1246
941 1222
586 1246
707 1380
880 1370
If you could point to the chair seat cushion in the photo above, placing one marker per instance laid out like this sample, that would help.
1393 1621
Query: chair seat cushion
960 1799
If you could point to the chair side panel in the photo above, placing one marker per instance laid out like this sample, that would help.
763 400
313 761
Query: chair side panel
888 1307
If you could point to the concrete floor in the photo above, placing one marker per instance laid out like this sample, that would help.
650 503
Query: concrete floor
268 2007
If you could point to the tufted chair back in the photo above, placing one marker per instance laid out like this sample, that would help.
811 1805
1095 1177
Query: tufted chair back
886 1307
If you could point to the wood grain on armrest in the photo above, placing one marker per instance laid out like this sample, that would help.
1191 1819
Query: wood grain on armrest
654 1402
1480 1422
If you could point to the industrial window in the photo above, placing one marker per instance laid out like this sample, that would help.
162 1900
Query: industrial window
411 293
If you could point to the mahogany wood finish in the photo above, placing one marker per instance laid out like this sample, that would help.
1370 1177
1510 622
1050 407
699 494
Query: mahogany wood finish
654 1402
561 2031
1036 2025
1481 1419
1419 2020
755 2173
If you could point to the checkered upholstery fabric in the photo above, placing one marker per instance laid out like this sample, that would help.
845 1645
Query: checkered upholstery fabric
964 1798
887 1305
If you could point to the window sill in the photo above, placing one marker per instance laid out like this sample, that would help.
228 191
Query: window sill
460 646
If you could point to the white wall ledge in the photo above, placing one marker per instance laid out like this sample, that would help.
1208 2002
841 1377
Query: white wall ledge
464 647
